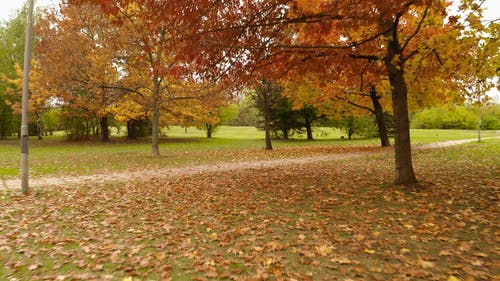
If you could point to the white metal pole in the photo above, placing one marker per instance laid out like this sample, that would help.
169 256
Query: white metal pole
24 117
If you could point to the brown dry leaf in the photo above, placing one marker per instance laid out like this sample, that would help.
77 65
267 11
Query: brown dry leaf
426 264
404 251
445 253
115 256
308 254
369 251
214 236
341 260
476 262
160 255
323 250
34 266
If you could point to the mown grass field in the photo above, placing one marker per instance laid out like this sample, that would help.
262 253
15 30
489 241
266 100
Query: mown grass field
55 156
337 220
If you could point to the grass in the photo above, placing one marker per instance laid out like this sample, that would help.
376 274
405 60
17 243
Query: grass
420 136
331 221
55 156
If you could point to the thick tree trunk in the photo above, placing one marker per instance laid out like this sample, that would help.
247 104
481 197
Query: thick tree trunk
394 64
267 118
104 129
404 167
155 140
379 117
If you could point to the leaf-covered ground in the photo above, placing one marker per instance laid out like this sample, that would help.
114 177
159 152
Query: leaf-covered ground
339 220
55 157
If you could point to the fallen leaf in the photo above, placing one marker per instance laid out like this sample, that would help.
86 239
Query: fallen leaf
213 236
369 251
34 266
404 251
426 264
160 255
445 253
341 260
324 250
308 254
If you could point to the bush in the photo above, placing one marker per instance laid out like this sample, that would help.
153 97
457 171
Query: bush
361 126
440 118
491 118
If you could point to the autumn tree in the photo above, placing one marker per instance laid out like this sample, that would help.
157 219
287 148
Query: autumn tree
207 112
479 62
329 33
350 86
38 104
11 53
267 95
246 110
234 39
159 56
78 54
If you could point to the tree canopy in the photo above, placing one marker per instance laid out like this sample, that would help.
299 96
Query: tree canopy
180 61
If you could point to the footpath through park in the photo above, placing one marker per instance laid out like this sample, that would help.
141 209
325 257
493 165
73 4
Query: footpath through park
127 176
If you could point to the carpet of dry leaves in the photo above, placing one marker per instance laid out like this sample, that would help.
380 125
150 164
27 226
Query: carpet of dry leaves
335 220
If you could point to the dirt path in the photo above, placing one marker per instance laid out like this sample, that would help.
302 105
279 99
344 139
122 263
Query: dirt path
206 168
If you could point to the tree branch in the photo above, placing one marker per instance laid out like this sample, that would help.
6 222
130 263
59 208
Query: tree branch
417 30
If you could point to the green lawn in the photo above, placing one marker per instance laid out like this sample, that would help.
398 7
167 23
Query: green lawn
420 136
55 156
338 220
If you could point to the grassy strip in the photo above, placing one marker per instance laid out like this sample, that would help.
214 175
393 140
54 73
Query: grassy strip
337 220
54 156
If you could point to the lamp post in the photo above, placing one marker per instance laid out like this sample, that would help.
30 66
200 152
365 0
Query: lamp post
24 116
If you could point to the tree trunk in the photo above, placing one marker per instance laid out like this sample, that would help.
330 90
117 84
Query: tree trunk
267 118
156 130
285 133
104 129
479 124
309 131
209 129
379 117
399 91
130 132
38 127
45 129
87 128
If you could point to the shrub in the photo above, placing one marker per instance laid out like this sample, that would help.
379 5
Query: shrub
491 118
440 118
